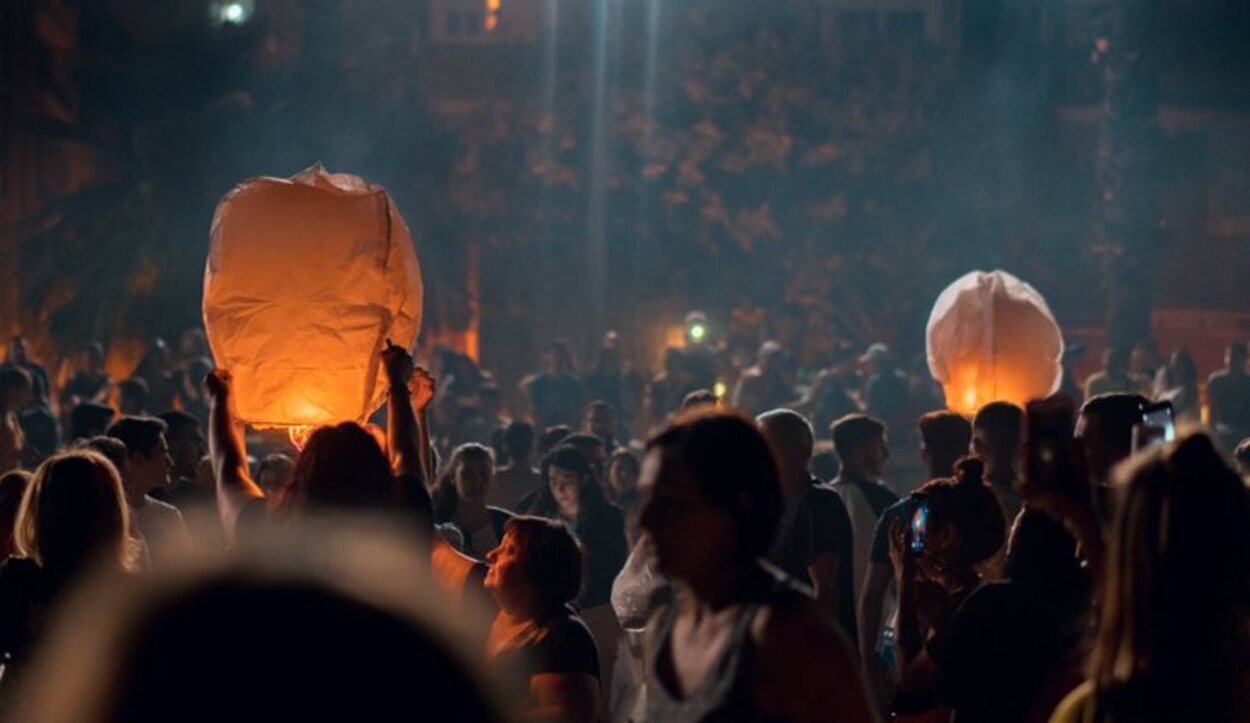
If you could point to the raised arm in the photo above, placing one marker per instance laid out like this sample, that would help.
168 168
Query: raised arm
228 453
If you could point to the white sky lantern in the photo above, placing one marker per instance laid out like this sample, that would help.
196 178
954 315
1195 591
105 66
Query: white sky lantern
991 337
306 279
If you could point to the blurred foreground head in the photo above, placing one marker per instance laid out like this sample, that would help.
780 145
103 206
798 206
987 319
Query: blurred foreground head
350 629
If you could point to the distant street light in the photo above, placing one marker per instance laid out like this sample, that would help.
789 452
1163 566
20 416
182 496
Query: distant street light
232 12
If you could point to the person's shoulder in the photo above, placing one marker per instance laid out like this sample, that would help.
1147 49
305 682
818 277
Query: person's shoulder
160 509
790 626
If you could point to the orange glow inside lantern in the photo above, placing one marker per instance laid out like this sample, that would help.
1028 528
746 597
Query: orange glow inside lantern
306 279
991 337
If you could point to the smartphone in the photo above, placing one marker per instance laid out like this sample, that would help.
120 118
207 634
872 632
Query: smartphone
919 521
1157 426
1049 426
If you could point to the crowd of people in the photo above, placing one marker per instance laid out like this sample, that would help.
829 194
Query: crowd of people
808 545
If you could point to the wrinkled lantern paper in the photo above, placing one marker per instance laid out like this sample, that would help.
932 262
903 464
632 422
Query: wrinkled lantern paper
306 279
991 337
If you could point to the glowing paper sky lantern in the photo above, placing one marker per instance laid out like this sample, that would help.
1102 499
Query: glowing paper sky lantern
991 337
306 279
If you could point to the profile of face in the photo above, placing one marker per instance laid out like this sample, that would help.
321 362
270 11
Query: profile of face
622 476
472 478
941 551
151 471
506 581
186 449
690 535
875 453
566 488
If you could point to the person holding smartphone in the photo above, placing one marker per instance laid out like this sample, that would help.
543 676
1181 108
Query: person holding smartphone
957 524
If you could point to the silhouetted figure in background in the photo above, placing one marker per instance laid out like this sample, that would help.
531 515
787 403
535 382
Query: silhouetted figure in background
1177 382
90 382
767 385
1229 393
89 419
132 397
19 357
556 393
600 420
997 435
156 371
16 393
862 448
814 541
519 477
1115 378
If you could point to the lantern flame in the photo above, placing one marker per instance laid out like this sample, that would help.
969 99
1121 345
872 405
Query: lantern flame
299 435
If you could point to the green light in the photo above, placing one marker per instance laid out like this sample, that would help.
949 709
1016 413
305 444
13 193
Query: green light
697 332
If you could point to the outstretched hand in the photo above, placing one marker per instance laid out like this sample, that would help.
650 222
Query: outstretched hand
398 364
218 383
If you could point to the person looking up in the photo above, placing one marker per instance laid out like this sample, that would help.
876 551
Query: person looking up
813 542
341 468
737 642
535 573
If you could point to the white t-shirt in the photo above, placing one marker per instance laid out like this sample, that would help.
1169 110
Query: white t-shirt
161 528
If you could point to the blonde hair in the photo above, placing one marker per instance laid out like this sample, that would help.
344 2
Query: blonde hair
73 511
